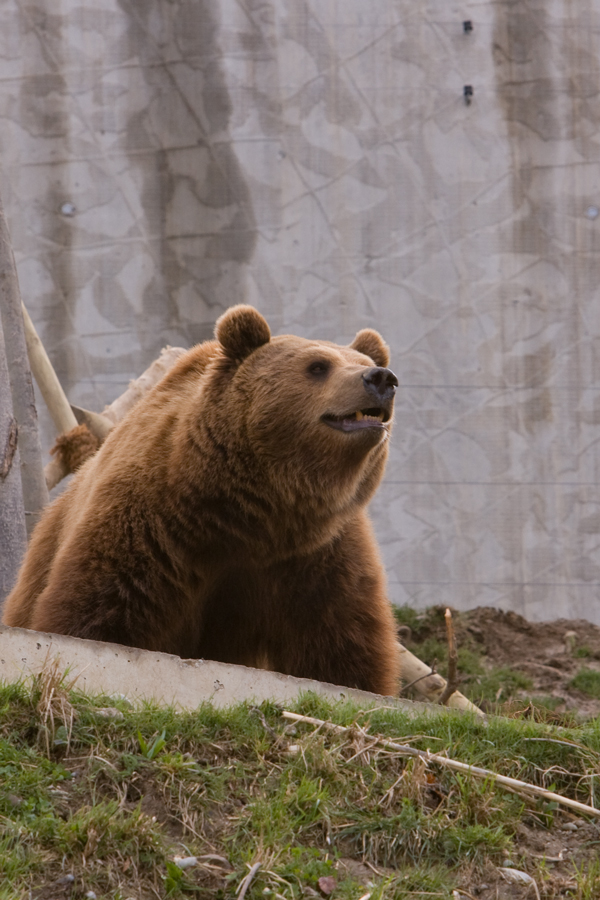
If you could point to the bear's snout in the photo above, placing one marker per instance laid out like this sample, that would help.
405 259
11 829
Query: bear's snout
380 383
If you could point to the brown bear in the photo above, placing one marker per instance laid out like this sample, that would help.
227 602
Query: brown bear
224 518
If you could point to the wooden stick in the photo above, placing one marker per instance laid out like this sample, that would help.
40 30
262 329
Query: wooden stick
47 379
452 662
98 424
247 881
504 780
55 471
429 685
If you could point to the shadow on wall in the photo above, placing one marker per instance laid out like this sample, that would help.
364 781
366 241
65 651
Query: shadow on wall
198 208
130 125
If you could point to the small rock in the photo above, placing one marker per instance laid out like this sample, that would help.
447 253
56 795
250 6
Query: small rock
516 876
108 712
14 800
66 879
90 895
327 884
293 749
185 862
569 826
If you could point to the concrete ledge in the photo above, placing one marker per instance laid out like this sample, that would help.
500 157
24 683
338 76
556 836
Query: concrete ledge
144 675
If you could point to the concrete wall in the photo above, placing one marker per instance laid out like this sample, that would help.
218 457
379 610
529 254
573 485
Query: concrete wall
164 159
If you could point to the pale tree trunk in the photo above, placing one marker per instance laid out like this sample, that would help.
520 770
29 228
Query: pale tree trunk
34 492
13 536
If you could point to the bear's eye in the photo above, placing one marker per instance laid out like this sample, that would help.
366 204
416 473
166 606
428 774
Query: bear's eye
319 368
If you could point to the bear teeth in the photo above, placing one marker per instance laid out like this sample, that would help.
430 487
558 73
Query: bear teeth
361 418
375 414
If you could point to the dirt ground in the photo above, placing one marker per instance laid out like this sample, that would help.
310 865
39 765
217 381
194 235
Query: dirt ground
549 654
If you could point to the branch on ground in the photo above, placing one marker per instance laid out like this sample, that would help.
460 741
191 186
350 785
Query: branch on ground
512 784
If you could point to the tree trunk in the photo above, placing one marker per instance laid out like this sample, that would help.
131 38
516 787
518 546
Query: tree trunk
34 492
13 536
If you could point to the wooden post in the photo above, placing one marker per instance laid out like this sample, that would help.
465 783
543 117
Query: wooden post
13 535
35 495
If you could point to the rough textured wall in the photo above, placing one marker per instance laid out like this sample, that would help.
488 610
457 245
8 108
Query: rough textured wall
163 159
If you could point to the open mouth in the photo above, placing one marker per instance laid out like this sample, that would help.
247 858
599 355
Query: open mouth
375 417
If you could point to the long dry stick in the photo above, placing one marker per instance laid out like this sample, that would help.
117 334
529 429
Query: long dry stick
52 392
406 750
452 683
47 379
247 881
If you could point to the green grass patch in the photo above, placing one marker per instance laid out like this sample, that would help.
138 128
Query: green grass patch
588 682
500 683
125 791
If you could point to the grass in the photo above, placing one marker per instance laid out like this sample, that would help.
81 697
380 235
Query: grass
110 796
587 681
587 880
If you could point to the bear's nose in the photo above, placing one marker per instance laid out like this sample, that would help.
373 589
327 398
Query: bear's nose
381 383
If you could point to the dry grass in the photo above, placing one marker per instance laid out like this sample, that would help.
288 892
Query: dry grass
53 687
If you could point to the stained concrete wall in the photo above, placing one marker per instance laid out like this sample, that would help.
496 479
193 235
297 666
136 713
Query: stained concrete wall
163 159
142 675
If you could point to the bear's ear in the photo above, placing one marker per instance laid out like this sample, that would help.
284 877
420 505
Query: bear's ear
372 344
241 330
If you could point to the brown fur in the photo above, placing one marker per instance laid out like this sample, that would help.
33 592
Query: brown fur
75 447
223 519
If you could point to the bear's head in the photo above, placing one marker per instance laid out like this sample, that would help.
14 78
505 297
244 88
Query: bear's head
315 414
